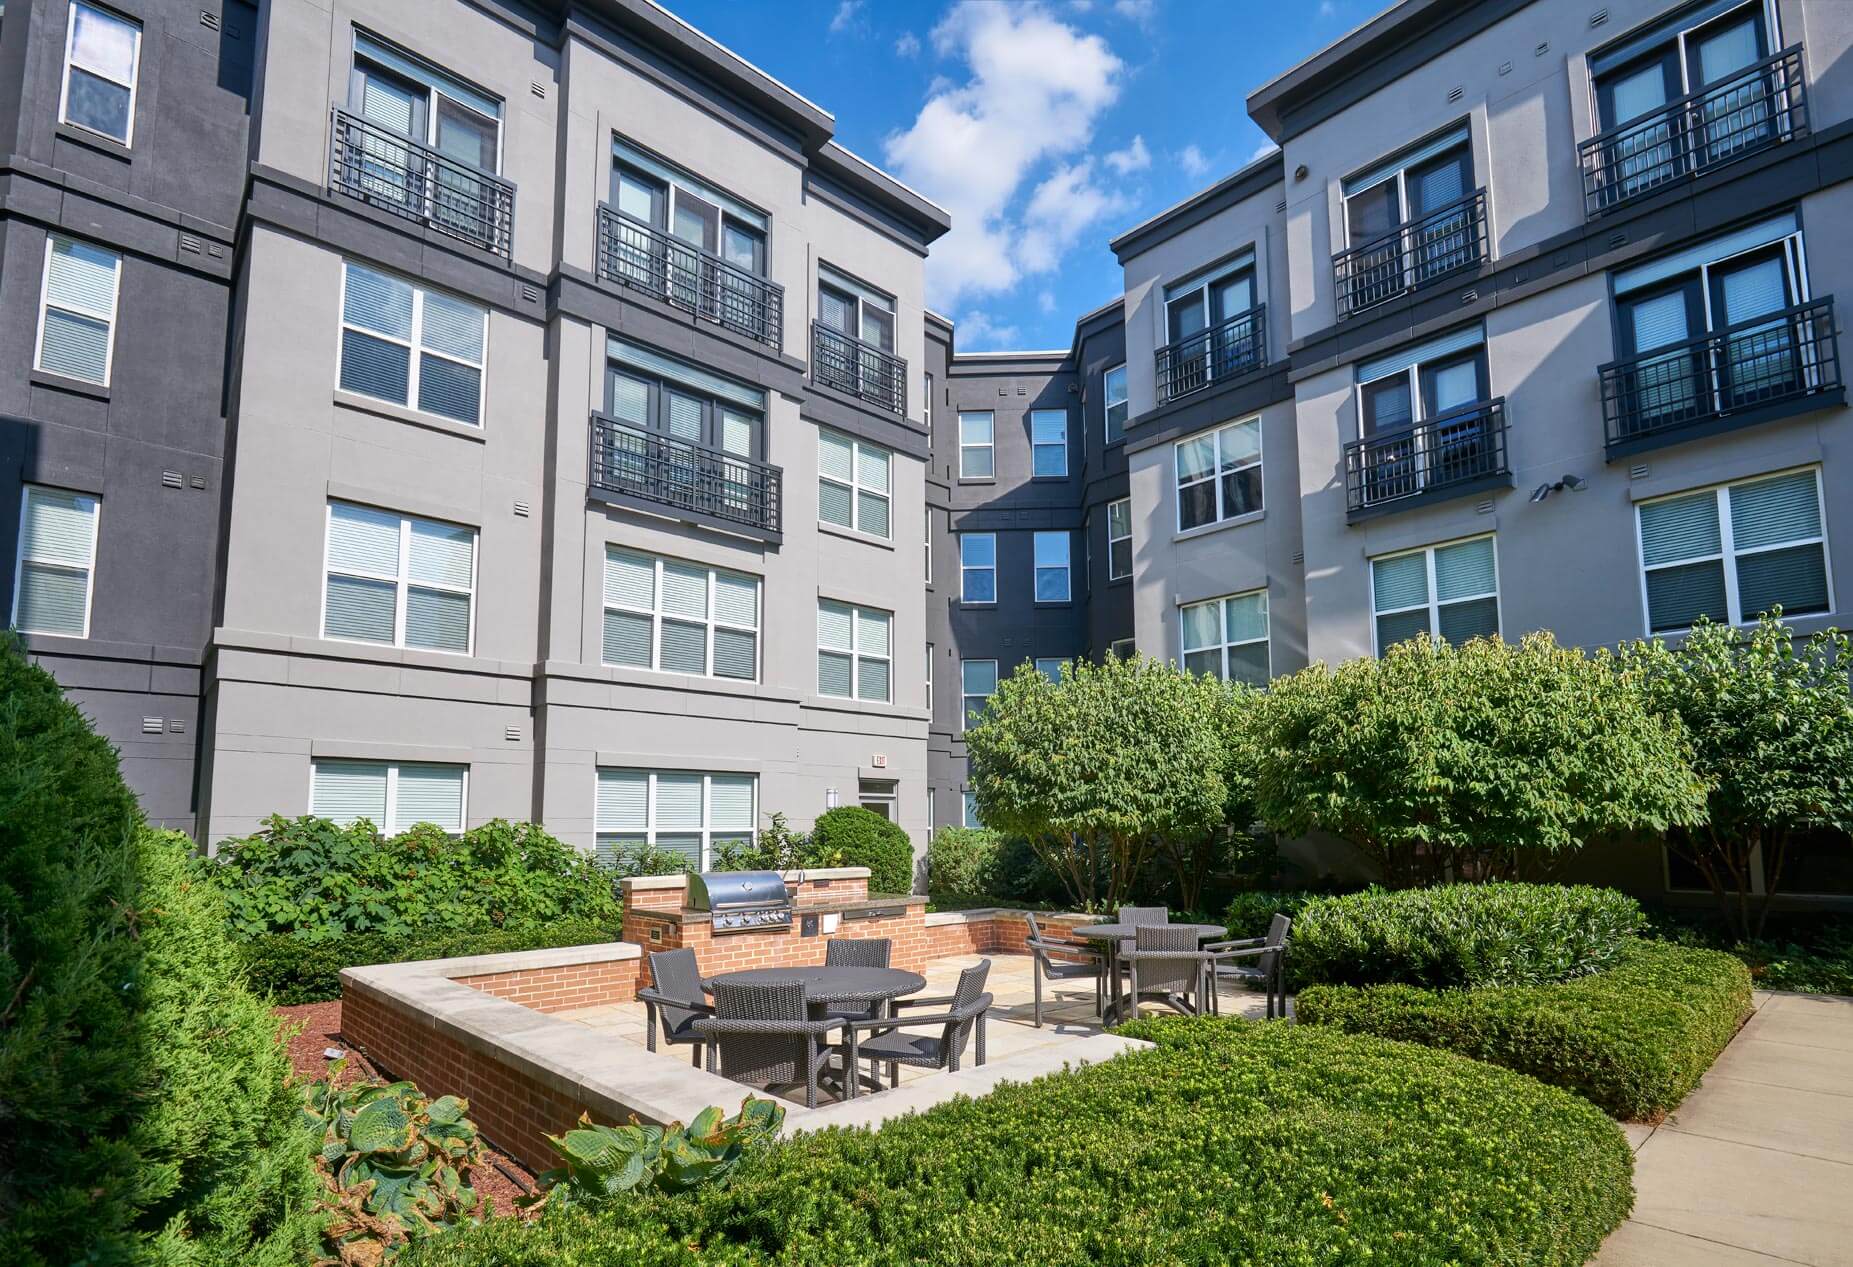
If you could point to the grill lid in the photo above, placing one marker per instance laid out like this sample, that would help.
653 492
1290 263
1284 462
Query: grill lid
721 890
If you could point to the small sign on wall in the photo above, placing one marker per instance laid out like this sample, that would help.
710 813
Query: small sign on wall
879 761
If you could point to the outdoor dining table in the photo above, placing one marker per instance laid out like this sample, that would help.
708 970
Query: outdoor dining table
826 987
1113 935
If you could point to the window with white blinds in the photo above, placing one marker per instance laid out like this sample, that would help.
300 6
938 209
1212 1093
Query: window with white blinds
1050 667
1051 554
102 58
1048 443
1447 591
977 567
1732 552
392 795
677 617
969 810
411 346
398 581
56 563
77 309
852 483
853 657
682 812
1228 638
977 445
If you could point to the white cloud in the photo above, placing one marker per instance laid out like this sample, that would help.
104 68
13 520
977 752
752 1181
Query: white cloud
1045 302
1137 10
846 13
908 45
1134 158
1063 205
979 327
1193 161
1327 10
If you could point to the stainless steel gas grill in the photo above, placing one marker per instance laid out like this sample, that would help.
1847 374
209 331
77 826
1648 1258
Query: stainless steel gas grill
741 901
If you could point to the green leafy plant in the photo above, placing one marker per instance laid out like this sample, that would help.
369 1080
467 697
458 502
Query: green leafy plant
850 836
604 1162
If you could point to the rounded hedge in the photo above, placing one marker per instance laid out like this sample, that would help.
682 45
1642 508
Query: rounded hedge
851 836
1232 1142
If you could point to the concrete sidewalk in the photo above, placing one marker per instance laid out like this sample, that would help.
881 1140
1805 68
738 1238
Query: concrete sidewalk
1755 1169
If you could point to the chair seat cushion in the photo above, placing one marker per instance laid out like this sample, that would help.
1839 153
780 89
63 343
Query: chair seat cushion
679 1026
1060 971
899 1045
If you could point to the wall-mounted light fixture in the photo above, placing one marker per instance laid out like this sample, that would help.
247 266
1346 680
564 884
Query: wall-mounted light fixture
831 799
1574 483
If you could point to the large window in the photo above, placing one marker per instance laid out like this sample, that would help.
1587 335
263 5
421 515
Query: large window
1052 582
1050 667
681 401
853 658
969 810
57 562
978 567
852 483
1219 475
1205 338
391 795
399 581
1415 410
409 97
683 812
1113 392
102 54
410 346
1446 591
850 308
1228 638
1417 185
671 201
977 445
77 309
1119 539
977 683
678 617
1048 440
1733 552
929 677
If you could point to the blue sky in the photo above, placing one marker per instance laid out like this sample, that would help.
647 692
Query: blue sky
1044 126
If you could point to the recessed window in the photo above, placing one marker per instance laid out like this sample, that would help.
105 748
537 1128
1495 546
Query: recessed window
1048 439
398 581
1733 552
853 660
671 201
1210 330
683 812
977 683
852 345
1051 668
977 445
1228 638
852 483
1119 539
1219 475
77 309
1409 221
977 567
970 811
677 617
1446 591
391 795
410 346
102 54
52 581
929 676
1113 393
1052 585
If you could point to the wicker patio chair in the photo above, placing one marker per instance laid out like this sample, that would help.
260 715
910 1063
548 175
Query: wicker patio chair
1251 959
1168 968
675 999
852 952
1137 915
883 1041
1082 961
761 1035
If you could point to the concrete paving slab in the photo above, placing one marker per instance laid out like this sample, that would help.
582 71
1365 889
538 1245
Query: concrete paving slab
1639 1245
1821 1021
1761 1199
1806 1123
1638 1133
1794 1065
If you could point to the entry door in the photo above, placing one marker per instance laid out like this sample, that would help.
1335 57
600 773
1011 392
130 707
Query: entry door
1758 362
461 199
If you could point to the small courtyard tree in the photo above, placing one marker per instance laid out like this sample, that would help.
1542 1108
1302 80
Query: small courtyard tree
1096 768
1478 762
1771 728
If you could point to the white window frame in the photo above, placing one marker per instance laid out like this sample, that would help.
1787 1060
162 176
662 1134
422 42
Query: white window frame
968 810
651 831
929 677
855 652
1433 606
415 346
927 539
389 827
988 446
1729 554
135 72
45 305
1223 646
965 568
402 583
1038 567
1035 444
1108 402
855 486
1399 162
657 615
20 560
965 699
1115 540
1178 484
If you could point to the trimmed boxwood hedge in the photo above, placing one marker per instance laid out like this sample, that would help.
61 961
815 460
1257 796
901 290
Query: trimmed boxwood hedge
1233 1142
1634 1039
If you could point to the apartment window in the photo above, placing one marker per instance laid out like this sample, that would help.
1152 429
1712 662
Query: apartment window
929 677
852 483
969 816
53 576
411 346
77 309
1446 591
673 202
1416 408
852 651
1228 638
1119 539
977 683
398 581
408 97
1122 648
1048 441
102 54
1051 668
1733 552
977 446
679 401
1219 475
677 617
853 309
977 567
926 542
391 795
683 812
929 430
1113 393
1051 554
1415 184
1207 338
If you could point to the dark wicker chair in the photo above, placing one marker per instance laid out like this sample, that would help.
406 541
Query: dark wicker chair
1168 968
851 952
676 999
1254 959
762 1035
1081 961
883 1041
1138 915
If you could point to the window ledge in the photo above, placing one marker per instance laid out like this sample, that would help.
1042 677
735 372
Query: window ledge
75 386
977 479
867 708
1191 534
854 534
1048 479
976 605
1064 602
399 413
95 141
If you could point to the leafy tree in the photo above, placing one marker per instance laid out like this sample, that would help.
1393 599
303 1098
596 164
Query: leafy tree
1098 768
1771 728
1478 762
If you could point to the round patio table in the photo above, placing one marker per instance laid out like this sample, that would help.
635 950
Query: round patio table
1113 935
833 987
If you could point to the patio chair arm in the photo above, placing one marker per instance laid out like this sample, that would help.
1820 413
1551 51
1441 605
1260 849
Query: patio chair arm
1129 955
1249 953
937 1000
1064 948
1231 945
978 1005
651 995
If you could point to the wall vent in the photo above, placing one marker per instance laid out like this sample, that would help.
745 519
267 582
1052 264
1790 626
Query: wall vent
529 293
1456 93
1598 17
521 508
189 243
197 481
152 725
1618 238
1280 206
1468 296
1544 46
1299 557
1505 68
538 89
1484 507
1638 471
209 20
176 727
171 479
512 734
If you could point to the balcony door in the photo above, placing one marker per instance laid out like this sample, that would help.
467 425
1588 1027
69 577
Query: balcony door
1202 343
1758 360
1407 220
859 361
689 242
1416 407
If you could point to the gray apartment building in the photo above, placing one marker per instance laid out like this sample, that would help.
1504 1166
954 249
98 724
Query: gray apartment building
449 409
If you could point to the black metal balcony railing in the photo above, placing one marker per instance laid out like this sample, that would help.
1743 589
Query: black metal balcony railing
859 368
696 479
632 253
1768 360
1755 108
1233 348
1412 255
1458 447
396 174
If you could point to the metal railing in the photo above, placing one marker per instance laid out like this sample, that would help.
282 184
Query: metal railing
1233 348
1739 115
861 369
632 253
1412 255
1766 360
394 173
632 461
1456 447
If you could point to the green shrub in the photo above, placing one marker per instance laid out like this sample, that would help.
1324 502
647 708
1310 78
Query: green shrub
851 836
1462 935
1233 1142
1250 913
1809 952
962 862
1633 1039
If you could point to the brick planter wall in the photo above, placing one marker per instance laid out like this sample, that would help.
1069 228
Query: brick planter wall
563 988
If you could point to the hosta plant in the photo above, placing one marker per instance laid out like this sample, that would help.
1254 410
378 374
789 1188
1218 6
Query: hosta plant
602 1162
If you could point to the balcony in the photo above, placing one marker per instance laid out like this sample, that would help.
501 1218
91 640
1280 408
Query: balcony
1751 110
389 171
1412 255
1758 370
860 369
1236 347
1452 454
632 253
648 470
